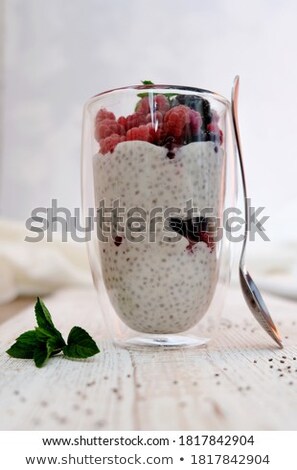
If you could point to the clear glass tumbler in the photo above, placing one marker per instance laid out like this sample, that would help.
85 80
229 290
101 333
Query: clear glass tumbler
158 173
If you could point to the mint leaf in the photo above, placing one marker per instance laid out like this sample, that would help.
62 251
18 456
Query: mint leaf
145 94
24 346
47 349
80 344
44 335
43 317
41 355
55 345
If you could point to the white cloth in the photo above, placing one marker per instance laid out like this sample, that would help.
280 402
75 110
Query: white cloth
38 268
273 267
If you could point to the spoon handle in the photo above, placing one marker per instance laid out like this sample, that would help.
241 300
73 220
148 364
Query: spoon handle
234 101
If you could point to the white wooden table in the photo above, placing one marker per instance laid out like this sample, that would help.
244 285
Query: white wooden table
239 382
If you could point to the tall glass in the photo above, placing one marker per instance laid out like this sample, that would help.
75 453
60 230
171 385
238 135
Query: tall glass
158 173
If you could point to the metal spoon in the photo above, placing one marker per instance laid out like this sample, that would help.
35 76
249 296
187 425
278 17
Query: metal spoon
250 291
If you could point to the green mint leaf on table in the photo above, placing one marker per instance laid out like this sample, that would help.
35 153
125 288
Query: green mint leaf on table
47 349
41 355
46 341
80 344
43 317
24 346
44 335
55 345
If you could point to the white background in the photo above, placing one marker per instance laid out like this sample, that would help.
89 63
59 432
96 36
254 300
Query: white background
57 54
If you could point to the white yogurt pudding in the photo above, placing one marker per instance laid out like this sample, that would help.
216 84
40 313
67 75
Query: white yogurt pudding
159 287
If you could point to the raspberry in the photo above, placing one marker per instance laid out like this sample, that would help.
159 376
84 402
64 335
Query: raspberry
122 121
160 135
195 121
175 121
104 114
135 120
213 127
162 103
156 118
106 128
109 143
145 133
143 106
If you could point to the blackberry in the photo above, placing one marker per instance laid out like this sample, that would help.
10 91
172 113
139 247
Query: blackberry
189 228
193 227
176 224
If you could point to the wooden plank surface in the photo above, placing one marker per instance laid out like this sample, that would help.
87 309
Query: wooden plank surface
240 381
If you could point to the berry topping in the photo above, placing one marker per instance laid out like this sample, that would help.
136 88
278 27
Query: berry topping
176 120
158 103
198 104
135 120
143 106
108 127
213 127
160 134
162 120
155 118
162 104
109 143
122 121
104 114
145 133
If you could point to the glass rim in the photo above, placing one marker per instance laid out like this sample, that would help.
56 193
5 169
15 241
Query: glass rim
212 94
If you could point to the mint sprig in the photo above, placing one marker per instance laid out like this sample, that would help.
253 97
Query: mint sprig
46 341
145 94
147 82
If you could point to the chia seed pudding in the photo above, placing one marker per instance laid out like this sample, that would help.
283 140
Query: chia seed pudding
162 286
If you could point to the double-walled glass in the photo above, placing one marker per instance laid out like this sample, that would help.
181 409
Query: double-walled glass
158 173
